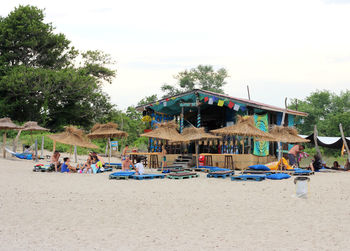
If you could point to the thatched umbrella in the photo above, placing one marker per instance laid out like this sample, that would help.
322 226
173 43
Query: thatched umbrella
244 127
72 136
286 135
109 131
33 126
166 131
283 134
7 124
196 134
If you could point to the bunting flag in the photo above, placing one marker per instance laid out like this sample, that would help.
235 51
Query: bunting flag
164 104
157 103
215 99
206 99
230 105
167 99
173 98
220 103
210 101
236 107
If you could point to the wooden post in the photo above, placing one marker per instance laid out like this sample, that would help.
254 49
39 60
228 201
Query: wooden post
316 144
75 154
344 140
42 145
4 145
15 142
36 150
70 151
110 151
280 148
182 120
197 157
243 138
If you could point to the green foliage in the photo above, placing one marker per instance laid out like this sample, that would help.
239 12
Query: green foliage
326 110
26 40
148 99
40 79
203 77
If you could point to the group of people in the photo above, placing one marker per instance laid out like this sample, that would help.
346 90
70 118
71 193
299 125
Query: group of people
316 163
93 164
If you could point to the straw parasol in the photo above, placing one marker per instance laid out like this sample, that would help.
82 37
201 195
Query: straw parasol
109 131
287 135
33 126
72 136
196 134
166 131
7 124
244 127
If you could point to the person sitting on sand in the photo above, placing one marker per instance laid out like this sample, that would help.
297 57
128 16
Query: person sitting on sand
140 169
316 164
55 160
99 158
294 153
126 164
336 165
66 166
86 168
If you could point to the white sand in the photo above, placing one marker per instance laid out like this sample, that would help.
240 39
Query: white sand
46 211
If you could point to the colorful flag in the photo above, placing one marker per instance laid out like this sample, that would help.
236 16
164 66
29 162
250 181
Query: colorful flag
230 105
220 103
157 103
236 107
164 103
210 101
206 99
167 99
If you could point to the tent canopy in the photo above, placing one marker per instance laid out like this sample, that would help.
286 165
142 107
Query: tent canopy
329 142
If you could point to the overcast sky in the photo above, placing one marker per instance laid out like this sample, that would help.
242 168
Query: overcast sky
279 48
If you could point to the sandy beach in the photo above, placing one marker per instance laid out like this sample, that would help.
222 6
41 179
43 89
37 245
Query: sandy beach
54 211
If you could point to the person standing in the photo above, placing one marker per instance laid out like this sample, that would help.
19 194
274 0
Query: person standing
163 156
293 154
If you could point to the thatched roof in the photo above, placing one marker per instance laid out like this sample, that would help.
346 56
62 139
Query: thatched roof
108 130
72 136
287 135
194 134
244 127
166 131
33 126
7 124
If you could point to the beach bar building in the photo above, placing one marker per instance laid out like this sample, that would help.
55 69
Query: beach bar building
201 108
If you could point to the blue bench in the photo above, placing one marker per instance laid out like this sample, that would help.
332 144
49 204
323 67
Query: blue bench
248 177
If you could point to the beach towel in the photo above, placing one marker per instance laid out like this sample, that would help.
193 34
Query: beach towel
276 164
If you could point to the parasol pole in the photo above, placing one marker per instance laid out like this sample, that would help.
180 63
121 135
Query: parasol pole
197 162
4 145
280 155
75 154
243 138
31 138
42 146
70 151
36 150
110 150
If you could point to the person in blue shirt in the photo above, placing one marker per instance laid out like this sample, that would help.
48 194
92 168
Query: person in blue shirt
66 167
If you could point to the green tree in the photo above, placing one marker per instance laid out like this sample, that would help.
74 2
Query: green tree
203 77
26 40
326 110
41 81
148 99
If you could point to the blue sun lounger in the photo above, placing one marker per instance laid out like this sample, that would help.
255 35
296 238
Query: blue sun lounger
147 176
121 175
249 177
